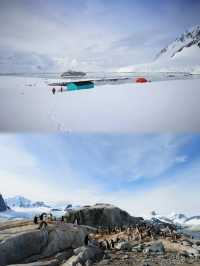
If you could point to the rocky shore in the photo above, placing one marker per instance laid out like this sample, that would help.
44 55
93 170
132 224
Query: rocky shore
120 240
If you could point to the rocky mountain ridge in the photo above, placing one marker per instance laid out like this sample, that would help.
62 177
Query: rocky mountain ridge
189 38
22 202
180 56
3 206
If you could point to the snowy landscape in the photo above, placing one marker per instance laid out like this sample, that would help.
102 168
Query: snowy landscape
182 55
128 105
22 208
99 143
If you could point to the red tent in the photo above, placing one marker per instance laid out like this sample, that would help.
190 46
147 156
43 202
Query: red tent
141 80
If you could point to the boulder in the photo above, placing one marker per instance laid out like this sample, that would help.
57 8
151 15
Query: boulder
53 262
197 242
88 263
60 239
37 244
155 248
125 257
125 245
192 252
186 243
138 248
101 215
3 206
85 255
196 247
20 246
72 261
65 255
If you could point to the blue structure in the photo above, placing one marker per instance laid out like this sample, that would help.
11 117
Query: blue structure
79 85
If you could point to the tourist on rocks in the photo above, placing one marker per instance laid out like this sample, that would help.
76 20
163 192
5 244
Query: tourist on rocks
109 230
112 243
35 220
107 244
86 240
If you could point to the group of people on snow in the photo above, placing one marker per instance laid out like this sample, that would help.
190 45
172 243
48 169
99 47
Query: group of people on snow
54 90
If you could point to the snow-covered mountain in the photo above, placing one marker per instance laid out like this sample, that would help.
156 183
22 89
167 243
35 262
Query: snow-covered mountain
189 39
3 206
21 202
177 218
194 220
23 208
182 55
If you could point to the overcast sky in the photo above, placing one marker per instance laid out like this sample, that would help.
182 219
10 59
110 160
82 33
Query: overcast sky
89 34
139 173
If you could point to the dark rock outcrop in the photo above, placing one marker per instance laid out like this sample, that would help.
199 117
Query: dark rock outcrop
155 248
53 262
85 255
21 246
125 245
104 215
3 206
34 245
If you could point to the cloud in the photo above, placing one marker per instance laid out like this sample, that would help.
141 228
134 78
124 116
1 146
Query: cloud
180 193
88 168
65 30
14 158
135 157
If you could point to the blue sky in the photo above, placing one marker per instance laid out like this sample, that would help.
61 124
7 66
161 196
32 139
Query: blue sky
136 172
89 34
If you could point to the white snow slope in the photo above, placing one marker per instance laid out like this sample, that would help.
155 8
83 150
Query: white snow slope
21 202
178 219
182 55
23 208
27 104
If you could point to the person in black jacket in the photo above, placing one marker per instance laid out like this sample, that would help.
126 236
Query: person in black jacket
107 244
86 240
35 220
112 243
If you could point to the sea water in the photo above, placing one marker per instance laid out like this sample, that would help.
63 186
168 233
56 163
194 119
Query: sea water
102 78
